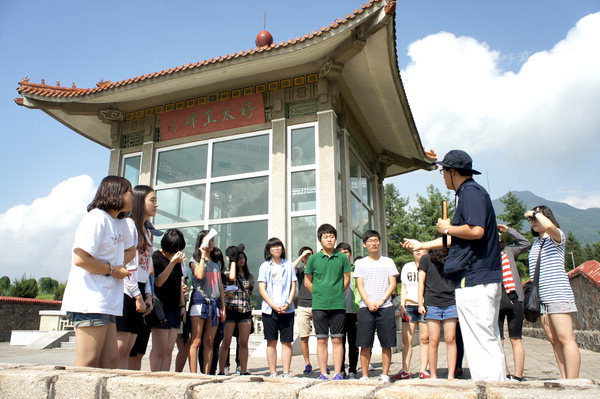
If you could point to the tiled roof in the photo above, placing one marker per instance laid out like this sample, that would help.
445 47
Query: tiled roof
57 91
589 269
12 299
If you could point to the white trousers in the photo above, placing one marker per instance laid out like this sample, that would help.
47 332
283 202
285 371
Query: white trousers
478 309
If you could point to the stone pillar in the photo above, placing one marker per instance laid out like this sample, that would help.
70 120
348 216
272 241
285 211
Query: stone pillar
147 156
326 179
278 193
114 166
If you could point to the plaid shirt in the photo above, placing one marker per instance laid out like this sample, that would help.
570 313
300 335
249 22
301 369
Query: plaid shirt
239 300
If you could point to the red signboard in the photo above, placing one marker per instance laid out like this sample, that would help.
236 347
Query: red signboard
210 117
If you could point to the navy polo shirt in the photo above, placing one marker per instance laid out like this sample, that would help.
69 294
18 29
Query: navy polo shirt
475 208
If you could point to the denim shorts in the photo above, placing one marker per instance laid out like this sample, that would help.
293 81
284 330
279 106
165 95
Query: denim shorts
413 315
90 319
558 307
441 313
173 320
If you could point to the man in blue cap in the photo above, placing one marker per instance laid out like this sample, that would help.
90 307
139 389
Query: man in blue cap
474 263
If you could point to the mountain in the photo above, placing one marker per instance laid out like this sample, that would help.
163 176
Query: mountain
584 223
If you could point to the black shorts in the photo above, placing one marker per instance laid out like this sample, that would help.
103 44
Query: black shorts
382 320
232 316
278 324
514 318
141 343
326 321
131 321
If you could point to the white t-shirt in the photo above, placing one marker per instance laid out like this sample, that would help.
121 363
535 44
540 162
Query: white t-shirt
130 284
410 279
106 239
375 275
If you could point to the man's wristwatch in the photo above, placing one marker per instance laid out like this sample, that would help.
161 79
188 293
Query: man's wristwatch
446 231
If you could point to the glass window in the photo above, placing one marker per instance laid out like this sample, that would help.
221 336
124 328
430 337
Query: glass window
357 245
303 146
240 156
304 191
131 169
177 205
239 198
304 233
252 234
361 217
183 164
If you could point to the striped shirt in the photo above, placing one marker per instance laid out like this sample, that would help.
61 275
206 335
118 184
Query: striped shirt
554 282
507 277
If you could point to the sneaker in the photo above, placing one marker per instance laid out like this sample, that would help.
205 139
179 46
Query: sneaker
338 377
401 375
273 375
328 371
246 373
424 374
286 375
351 376
238 370
307 369
384 378
511 377
323 377
459 373
364 378
371 368
226 370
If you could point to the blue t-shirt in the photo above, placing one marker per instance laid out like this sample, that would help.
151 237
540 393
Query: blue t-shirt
475 208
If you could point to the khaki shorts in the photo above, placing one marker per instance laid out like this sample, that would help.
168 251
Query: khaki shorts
304 318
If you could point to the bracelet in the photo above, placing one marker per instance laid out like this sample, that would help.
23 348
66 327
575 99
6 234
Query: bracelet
109 269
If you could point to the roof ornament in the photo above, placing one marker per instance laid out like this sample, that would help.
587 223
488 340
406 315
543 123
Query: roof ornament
25 79
73 85
102 83
58 83
264 37
43 82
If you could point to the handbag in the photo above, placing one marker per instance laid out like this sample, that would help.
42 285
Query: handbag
156 318
531 305
505 302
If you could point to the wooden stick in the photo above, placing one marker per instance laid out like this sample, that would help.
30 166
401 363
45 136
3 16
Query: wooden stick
445 216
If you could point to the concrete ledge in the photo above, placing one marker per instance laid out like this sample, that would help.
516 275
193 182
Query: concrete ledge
32 382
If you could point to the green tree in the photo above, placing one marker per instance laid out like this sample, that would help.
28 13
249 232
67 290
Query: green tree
24 288
398 224
47 285
59 291
514 209
428 211
573 252
4 285
591 251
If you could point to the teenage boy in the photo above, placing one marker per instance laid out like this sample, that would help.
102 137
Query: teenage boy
327 275
304 309
376 280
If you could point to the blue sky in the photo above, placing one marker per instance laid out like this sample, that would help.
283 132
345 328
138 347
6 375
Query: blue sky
490 41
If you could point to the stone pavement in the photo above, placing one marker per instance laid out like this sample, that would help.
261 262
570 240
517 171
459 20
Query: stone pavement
539 361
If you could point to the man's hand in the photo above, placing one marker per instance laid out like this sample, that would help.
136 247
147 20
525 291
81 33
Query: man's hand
442 225
373 307
411 244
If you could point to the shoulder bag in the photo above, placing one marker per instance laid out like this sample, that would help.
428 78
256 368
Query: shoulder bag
156 318
531 305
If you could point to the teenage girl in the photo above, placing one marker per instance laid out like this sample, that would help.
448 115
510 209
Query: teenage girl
94 293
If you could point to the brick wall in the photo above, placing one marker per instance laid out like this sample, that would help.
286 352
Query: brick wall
22 314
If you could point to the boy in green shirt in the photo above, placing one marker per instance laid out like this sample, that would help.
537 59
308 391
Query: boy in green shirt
327 275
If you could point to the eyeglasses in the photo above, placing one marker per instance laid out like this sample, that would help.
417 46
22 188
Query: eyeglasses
531 219
373 240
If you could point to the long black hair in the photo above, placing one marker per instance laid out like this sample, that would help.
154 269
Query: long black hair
274 242
137 213
544 210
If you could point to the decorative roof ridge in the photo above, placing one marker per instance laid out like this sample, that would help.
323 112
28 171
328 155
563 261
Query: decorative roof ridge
589 269
12 299
59 91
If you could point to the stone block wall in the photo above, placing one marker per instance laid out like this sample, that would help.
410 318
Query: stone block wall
22 314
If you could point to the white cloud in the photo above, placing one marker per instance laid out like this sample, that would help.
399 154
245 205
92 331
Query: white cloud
36 239
460 97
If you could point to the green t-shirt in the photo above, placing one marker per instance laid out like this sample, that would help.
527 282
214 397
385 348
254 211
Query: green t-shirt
328 279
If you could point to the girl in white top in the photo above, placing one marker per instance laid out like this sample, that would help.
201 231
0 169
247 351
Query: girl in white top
556 295
94 293
137 301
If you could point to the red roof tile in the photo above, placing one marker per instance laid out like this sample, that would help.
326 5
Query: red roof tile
12 299
589 269
25 87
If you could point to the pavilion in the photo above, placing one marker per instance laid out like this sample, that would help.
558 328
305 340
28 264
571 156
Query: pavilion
271 141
